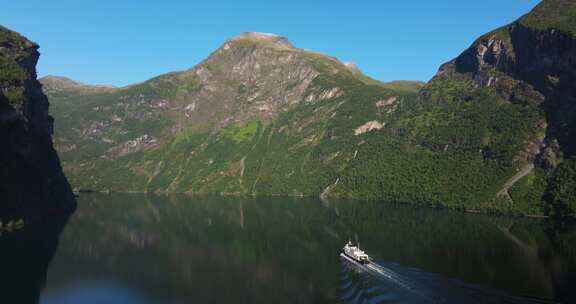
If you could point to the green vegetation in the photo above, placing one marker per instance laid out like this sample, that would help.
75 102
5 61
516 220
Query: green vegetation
527 194
8 35
15 97
9 69
240 133
477 121
12 74
404 86
553 14
168 86
562 192
455 149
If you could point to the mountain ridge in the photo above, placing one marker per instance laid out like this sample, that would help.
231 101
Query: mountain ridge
53 84
269 39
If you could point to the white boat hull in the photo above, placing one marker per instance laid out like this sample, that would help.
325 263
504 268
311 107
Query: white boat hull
350 259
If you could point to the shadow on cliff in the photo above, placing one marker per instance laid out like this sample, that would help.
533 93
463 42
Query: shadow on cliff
32 182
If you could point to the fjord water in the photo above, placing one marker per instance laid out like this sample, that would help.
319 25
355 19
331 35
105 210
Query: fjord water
128 248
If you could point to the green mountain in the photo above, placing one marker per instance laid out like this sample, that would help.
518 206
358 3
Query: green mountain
493 131
257 116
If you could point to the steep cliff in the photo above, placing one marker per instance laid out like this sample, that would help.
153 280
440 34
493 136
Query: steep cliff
31 179
531 61
528 66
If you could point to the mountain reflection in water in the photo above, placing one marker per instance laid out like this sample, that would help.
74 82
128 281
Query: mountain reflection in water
129 248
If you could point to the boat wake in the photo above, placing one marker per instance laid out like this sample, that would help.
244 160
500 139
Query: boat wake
381 282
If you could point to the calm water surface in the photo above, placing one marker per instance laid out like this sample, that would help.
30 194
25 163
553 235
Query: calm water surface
124 248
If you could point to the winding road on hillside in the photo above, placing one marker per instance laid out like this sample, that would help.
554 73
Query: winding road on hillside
514 179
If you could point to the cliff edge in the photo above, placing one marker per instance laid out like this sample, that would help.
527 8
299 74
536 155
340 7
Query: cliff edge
32 183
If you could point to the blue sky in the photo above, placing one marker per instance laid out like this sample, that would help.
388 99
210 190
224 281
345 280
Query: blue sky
121 42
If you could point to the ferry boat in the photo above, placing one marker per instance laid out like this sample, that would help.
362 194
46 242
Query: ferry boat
354 253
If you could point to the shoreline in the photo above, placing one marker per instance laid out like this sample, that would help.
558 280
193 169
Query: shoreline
490 212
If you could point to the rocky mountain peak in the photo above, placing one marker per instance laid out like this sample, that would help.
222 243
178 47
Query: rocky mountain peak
268 39
251 52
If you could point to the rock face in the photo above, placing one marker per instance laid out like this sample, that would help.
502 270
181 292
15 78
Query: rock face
31 179
530 63
252 76
367 127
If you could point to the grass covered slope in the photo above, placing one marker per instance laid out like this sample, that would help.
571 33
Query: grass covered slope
552 14
297 152
258 116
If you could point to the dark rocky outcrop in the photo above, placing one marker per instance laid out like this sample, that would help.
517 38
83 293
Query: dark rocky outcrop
31 179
